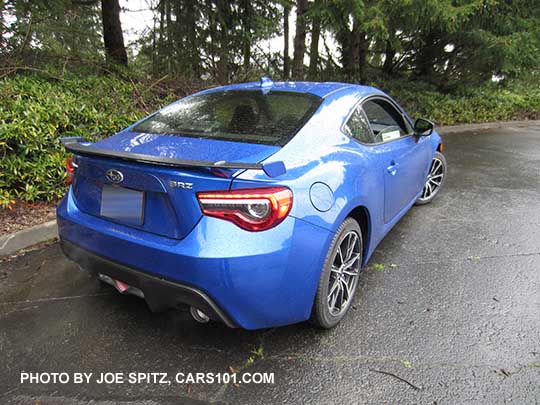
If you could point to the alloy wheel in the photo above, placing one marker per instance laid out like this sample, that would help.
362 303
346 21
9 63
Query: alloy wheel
434 180
344 273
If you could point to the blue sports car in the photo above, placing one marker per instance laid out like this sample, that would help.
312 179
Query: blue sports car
254 204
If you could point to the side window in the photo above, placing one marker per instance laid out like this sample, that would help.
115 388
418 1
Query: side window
386 122
358 128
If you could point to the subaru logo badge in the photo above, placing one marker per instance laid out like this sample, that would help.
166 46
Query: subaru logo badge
114 176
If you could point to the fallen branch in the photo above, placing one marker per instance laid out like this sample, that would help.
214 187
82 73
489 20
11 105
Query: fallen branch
156 83
13 69
138 95
416 388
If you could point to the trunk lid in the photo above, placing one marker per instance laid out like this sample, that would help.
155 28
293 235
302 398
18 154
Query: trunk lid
164 198
178 147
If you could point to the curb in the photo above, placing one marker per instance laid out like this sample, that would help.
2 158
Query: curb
14 242
452 129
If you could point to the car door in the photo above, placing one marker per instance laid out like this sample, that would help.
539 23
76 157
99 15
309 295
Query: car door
401 156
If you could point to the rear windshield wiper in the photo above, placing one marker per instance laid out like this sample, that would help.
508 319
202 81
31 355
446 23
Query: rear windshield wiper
79 146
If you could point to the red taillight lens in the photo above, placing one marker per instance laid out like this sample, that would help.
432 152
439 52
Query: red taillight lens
255 209
70 169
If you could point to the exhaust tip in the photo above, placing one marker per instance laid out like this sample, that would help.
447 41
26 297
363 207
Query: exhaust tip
198 315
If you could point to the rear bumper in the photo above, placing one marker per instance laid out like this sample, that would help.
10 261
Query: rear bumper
257 279
159 293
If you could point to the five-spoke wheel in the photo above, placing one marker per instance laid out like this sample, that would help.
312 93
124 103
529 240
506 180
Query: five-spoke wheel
339 277
434 180
344 273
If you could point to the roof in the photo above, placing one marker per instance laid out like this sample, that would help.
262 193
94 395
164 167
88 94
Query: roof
321 89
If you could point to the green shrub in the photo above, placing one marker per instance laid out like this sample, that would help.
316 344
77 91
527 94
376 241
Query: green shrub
491 102
36 112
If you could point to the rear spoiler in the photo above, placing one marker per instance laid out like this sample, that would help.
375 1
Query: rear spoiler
79 146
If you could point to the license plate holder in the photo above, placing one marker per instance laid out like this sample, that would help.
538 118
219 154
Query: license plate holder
122 204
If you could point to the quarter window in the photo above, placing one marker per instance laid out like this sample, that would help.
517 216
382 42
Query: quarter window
358 128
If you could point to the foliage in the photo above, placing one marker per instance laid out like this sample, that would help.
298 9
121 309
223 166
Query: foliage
448 43
487 103
36 112
218 38
40 28
445 42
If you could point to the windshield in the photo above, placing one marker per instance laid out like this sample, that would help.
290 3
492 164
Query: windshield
239 116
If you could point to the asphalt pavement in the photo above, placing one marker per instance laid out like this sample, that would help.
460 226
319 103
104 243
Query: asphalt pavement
447 312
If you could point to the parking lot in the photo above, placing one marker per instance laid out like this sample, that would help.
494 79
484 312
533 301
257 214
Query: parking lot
448 311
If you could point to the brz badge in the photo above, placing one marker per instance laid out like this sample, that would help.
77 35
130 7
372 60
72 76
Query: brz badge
114 176
181 184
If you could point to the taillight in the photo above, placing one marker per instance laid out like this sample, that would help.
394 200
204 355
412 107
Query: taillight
254 209
70 170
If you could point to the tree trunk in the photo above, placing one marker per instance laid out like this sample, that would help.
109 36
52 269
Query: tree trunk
363 45
224 19
169 31
426 56
300 40
355 69
343 38
2 28
194 59
314 47
389 54
286 60
161 44
112 32
247 17
353 54
154 48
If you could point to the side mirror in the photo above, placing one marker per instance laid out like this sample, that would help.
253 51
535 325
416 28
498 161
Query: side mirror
423 127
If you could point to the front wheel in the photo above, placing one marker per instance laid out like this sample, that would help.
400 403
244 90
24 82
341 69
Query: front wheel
339 277
435 179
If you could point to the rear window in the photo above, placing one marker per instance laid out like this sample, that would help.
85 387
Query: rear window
240 116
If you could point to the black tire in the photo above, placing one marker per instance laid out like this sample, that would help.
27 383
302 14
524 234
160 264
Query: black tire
321 314
428 195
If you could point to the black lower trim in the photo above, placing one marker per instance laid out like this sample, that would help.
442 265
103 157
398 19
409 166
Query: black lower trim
159 293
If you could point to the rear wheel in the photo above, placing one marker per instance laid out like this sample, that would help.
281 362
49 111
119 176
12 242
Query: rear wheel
435 179
339 277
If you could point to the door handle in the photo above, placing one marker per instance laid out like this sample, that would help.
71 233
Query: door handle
392 169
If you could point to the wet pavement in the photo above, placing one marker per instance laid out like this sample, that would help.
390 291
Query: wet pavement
447 312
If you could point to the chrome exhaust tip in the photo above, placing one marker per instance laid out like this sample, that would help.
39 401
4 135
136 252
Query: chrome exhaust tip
198 315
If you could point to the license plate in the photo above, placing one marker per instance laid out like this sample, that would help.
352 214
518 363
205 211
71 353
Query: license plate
122 204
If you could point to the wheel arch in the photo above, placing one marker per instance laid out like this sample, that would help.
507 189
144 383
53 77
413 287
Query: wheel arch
436 142
361 215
